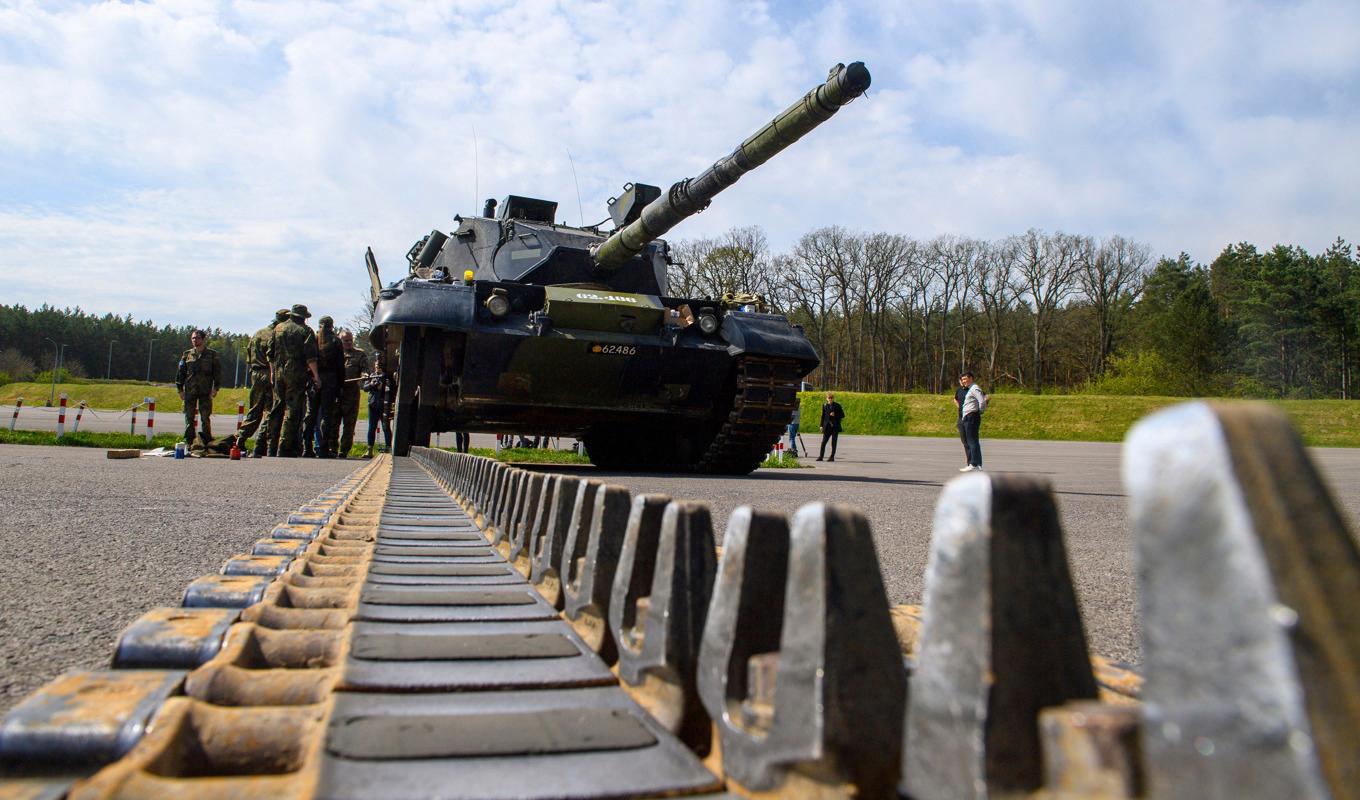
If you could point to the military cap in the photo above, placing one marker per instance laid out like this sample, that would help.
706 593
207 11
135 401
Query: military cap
281 315
326 320
299 310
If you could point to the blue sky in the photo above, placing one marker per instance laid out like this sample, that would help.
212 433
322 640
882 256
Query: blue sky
207 162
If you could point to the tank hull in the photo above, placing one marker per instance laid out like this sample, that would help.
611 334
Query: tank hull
655 400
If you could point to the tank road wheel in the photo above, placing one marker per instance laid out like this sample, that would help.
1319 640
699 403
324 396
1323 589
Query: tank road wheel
421 363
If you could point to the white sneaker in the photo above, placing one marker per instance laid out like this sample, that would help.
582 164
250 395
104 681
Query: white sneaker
968 468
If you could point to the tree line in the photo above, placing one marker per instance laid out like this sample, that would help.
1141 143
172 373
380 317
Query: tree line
120 348
1037 312
1042 311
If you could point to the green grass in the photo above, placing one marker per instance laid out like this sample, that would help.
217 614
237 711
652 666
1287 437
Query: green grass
1091 418
790 461
529 455
110 441
1096 418
119 396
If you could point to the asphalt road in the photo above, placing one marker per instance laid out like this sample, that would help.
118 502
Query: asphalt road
91 544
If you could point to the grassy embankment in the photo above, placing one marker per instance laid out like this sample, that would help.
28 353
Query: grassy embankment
1091 418
120 396
1098 418
120 441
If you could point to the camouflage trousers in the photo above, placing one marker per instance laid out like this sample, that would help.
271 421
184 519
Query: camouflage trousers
200 406
327 397
261 398
285 415
348 408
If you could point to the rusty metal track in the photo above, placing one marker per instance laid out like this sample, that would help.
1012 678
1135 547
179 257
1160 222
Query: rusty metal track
449 626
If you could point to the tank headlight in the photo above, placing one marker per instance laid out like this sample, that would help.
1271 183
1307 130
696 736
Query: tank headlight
708 322
498 304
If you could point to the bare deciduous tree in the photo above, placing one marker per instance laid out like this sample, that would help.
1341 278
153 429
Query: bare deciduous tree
1046 268
1111 276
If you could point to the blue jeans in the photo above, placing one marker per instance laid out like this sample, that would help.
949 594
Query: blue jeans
793 438
969 427
376 418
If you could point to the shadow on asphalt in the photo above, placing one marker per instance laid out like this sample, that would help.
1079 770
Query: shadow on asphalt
786 475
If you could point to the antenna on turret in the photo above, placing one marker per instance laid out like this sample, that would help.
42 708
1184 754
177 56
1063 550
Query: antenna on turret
476 169
580 212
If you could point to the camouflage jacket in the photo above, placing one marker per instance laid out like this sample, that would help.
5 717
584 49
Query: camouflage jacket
291 347
356 366
257 350
330 358
198 373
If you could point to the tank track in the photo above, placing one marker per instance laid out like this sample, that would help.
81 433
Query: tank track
445 625
766 393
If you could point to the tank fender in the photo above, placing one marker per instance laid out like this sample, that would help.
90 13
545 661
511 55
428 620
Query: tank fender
448 306
767 335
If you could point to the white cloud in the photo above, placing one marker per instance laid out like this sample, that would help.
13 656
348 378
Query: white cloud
260 146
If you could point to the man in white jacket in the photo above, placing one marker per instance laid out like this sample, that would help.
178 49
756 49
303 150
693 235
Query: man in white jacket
974 403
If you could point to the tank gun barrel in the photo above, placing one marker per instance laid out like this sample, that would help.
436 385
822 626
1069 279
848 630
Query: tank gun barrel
692 195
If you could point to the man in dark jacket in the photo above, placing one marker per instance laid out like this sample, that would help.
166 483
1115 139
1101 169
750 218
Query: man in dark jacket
832 415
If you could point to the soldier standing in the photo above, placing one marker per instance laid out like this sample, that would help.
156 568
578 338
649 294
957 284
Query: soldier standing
292 367
379 388
261 389
330 368
356 367
197 380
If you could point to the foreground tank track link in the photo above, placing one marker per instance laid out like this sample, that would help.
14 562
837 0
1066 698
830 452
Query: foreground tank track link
777 668
783 666
766 393
224 696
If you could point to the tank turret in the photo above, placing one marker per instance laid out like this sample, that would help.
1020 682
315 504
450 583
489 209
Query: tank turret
692 195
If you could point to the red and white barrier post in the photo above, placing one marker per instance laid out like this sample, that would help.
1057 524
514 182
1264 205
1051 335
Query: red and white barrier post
13 420
80 412
240 414
781 451
61 417
150 417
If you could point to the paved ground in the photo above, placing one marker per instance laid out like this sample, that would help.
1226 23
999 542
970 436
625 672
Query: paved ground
90 544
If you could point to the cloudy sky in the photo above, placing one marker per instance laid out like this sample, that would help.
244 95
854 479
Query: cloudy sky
206 162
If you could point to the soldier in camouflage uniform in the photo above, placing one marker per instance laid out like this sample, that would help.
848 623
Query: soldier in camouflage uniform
261 389
330 368
356 370
197 380
292 368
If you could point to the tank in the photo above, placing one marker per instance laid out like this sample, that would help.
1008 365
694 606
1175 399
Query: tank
513 322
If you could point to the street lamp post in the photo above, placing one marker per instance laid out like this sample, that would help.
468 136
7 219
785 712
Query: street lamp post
56 350
108 370
149 351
